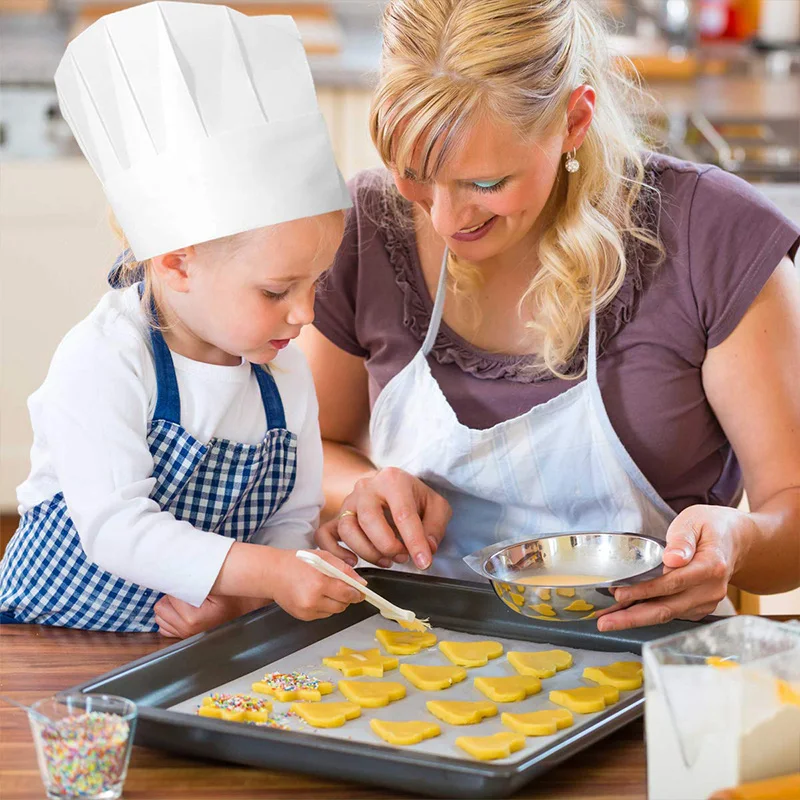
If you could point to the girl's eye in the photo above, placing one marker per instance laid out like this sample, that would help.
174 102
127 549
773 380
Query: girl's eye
274 295
490 186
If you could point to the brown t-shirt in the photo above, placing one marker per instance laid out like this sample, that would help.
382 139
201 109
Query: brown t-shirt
723 240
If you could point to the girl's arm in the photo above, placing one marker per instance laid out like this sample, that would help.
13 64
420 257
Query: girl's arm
95 409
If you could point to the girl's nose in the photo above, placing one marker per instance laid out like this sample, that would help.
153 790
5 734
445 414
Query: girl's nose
301 311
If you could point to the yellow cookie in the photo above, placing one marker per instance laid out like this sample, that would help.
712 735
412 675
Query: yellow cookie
352 663
788 693
471 654
544 594
538 723
510 689
458 712
488 748
517 599
286 687
404 732
542 664
579 605
565 592
625 675
585 699
722 663
404 643
235 708
326 715
372 694
430 679
545 609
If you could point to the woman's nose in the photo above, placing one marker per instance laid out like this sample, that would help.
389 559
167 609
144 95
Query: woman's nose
444 211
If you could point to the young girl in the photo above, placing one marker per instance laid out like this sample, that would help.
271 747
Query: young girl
169 461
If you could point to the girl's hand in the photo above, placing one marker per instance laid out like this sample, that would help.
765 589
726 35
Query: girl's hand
704 546
306 593
178 620
388 515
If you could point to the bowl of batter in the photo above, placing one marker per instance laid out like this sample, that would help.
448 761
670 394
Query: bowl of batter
567 577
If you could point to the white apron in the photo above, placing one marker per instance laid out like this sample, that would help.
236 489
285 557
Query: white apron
558 468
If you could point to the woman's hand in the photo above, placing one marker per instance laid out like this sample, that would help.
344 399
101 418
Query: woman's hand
388 516
704 546
178 619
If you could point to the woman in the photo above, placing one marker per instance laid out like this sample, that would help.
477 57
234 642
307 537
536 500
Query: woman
614 342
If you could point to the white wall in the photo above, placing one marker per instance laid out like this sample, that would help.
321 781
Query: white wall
55 249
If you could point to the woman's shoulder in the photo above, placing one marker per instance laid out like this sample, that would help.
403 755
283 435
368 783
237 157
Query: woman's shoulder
704 193
722 239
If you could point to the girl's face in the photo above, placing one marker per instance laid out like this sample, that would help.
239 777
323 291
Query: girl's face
491 191
249 296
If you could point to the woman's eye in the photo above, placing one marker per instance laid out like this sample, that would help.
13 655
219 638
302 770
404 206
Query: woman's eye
275 295
489 186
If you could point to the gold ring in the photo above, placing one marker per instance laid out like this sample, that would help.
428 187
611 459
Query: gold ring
347 513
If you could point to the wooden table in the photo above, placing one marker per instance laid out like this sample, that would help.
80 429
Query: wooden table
37 661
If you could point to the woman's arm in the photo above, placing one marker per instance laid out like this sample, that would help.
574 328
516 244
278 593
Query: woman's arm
341 383
752 380
394 514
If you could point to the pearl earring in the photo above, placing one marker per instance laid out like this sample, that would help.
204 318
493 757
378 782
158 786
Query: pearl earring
572 164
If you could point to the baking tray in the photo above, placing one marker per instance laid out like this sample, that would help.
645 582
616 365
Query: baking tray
197 665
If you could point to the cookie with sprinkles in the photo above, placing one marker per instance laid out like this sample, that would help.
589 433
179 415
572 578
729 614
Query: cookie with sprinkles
235 708
286 687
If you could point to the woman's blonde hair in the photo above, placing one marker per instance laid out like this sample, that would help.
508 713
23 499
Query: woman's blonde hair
447 62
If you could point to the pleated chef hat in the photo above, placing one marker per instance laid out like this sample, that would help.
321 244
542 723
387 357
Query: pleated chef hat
200 122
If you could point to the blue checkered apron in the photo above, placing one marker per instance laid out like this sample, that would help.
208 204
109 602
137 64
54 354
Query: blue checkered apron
221 486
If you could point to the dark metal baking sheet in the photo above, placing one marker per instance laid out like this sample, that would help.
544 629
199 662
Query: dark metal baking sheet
195 665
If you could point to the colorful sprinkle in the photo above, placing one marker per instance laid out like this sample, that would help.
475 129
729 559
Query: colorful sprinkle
85 754
238 702
290 682
277 721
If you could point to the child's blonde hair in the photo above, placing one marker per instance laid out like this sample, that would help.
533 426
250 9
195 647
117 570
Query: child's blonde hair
447 62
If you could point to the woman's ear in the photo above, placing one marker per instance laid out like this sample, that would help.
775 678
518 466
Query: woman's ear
173 268
580 112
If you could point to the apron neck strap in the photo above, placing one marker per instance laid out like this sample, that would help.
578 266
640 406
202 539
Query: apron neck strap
168 398
438 308
270 396
591 353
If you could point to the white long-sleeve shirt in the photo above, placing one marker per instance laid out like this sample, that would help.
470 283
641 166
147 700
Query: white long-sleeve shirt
90 421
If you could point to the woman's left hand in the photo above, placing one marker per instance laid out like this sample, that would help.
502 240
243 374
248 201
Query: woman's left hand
704 546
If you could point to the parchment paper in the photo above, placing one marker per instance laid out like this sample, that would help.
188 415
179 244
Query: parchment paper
362 637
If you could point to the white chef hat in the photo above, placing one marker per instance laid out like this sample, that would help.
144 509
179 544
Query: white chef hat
200 122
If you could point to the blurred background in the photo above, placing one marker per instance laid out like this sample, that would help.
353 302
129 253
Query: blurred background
723 75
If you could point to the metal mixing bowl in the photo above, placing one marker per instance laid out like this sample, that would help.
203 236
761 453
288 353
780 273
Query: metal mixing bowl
612 559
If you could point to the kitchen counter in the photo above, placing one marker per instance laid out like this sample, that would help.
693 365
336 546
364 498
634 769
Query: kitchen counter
39 661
